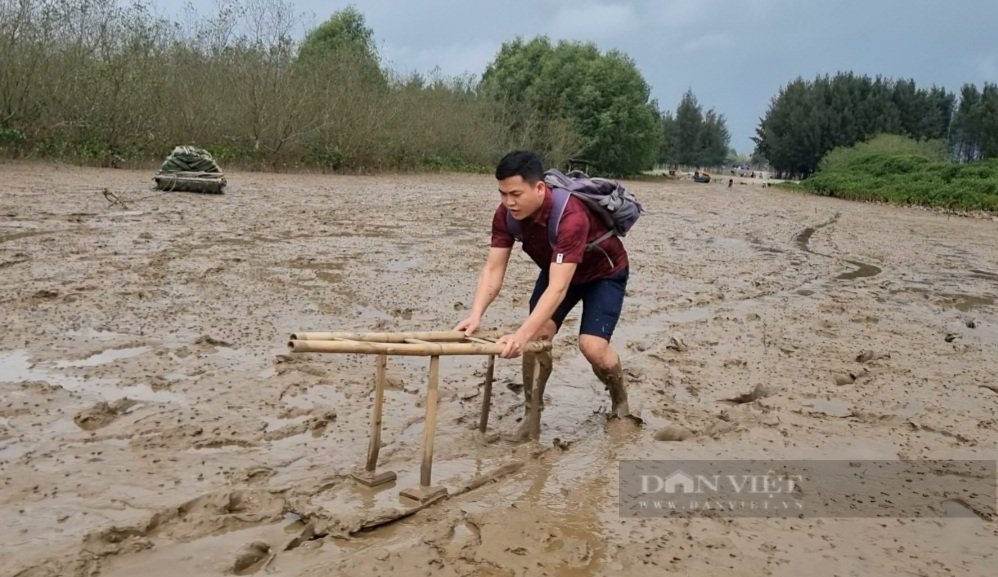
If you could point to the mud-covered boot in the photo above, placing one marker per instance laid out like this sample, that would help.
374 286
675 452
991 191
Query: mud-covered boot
614 381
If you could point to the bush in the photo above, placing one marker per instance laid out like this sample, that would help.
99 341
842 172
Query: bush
896 169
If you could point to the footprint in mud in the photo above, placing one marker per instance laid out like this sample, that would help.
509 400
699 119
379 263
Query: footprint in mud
404 314
251 557
212 341
673 433
760 391
102 414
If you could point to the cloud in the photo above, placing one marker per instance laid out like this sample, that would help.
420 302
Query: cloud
594 21
708 43
987 66
684 13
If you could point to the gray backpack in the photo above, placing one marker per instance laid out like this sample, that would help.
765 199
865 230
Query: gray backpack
616 208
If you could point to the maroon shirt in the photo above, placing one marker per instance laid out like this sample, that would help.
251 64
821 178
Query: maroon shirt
578 227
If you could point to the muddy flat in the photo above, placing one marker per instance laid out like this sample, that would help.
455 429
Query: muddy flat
153 422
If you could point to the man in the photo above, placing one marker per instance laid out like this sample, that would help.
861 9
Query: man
568 274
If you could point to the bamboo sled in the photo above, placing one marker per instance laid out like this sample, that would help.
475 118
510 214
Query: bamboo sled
433 344
410 347
431 336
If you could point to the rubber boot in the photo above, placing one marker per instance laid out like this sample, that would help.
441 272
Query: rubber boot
614 381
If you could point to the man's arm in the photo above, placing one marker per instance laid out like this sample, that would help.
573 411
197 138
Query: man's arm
490 282
559 279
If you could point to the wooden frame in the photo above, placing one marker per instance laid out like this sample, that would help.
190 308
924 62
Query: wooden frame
433 344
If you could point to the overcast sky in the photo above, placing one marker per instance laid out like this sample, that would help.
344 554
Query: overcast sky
734 54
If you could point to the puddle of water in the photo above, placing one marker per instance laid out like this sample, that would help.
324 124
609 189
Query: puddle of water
956 509
830 407
315 397
104 357
24 234
15 367
965 303
770 249
729 243
803 238
327 272
910 409
98 335
863 270
12 451
403 265
685 315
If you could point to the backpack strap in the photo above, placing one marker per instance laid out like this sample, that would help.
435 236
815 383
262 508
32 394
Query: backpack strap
558 204
559 201
513 227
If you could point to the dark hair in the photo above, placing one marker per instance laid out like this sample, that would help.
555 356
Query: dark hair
522 163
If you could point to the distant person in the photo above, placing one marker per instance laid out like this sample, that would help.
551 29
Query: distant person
568 274
730 182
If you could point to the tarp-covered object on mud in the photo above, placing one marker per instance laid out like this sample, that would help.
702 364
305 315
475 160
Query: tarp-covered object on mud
190 169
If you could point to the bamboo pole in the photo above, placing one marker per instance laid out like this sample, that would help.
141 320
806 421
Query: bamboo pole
379 398
432 336
536 397
483 422
429 428
409 349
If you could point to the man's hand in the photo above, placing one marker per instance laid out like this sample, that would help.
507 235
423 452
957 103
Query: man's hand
468 325
514 344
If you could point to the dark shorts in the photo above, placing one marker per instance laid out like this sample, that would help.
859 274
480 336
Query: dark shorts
602 300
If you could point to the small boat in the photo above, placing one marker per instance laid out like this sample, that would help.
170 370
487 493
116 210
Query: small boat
190 169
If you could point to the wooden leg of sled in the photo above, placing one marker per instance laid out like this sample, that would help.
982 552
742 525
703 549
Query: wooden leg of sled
536 400
483 423
425 492
370 476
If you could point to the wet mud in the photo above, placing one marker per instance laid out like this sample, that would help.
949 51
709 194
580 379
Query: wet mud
153 422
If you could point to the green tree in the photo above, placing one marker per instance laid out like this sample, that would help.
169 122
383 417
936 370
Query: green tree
694 137
989 121
689 120
713 140
965 133
568 99
670 140
346 41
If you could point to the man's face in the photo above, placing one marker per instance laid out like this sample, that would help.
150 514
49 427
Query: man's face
521 198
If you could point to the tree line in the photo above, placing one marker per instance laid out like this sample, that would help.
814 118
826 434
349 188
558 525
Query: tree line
809 118
94 80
